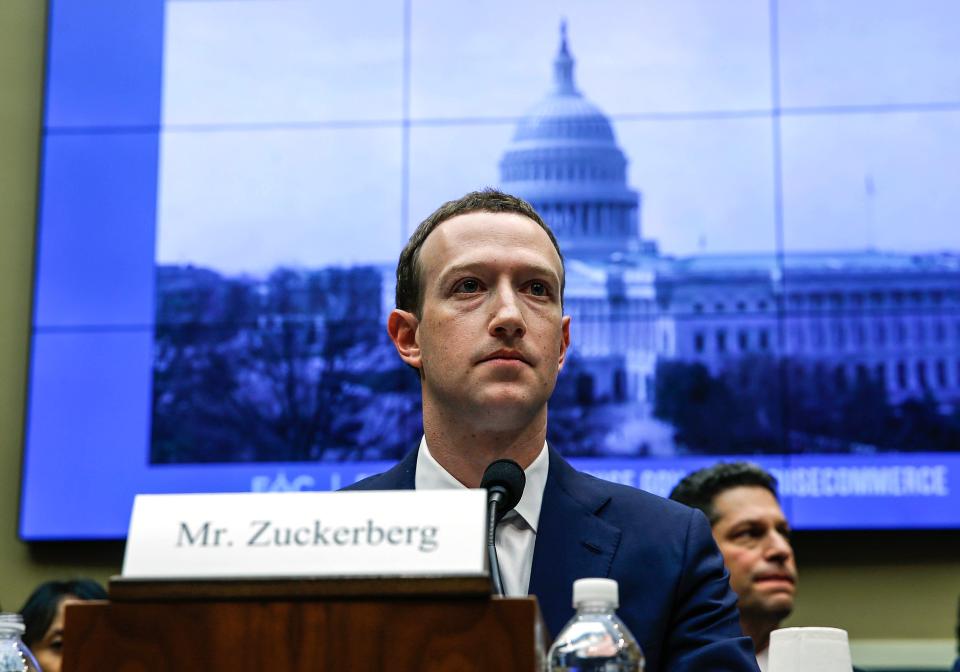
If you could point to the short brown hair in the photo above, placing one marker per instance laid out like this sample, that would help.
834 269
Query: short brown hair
409 283
700 488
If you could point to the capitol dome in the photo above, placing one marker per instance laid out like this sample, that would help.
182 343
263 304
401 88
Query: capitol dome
565 161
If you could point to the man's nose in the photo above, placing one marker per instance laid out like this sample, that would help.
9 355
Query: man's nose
507 319
778 547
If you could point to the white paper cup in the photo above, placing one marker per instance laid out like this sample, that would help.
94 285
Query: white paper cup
809 650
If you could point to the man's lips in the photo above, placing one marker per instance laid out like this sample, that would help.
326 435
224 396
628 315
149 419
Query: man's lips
504 355
775 577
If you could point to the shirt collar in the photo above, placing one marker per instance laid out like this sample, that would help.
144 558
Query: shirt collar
431 475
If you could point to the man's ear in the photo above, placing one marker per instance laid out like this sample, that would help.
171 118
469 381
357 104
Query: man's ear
402 327
564 339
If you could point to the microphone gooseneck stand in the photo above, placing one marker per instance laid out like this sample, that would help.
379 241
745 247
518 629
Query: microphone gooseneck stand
504 481
492 548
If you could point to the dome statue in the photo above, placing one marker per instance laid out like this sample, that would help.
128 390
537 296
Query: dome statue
565 161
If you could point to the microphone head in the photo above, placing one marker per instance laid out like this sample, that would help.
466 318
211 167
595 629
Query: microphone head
505 477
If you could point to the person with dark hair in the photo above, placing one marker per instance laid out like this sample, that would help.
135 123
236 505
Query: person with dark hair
43 617
740 501
956 664
480 317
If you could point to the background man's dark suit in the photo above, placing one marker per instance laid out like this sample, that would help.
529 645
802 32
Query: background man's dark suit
674 593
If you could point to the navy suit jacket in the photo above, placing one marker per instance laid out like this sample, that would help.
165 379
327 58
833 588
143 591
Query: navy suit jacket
674 592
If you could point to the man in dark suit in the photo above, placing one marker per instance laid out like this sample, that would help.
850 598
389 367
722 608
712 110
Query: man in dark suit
740 501
480 317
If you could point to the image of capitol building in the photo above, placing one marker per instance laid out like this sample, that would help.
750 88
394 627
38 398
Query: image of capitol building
723 354
890 317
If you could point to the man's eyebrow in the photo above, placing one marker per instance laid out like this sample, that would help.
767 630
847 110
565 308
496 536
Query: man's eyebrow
746 521
479 266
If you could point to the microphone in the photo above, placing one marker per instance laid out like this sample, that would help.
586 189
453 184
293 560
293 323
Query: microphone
504 481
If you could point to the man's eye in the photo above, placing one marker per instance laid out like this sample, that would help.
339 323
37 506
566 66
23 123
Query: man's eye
749 533
468 286
539 289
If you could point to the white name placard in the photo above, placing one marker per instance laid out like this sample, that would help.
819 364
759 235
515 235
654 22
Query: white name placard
299 534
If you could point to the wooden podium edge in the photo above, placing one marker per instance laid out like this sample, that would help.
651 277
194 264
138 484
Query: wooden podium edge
122 589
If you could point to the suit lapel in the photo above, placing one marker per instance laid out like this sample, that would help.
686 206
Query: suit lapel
573 542
402 476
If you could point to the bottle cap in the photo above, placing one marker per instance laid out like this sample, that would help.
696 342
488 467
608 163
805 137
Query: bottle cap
603 591
11 622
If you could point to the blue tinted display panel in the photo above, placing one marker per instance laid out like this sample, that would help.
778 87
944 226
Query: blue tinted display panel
756 204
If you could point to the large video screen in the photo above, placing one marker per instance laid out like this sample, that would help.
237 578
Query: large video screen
757 201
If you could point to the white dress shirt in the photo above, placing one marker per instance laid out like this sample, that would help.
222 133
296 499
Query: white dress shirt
516 534
763 659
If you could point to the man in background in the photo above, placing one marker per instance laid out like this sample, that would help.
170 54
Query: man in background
740 501
956 664
479 317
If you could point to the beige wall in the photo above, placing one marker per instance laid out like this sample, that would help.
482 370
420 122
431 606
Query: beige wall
877 585
21 71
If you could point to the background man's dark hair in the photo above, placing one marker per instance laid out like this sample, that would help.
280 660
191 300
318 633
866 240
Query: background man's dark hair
701 487
41 607
409 282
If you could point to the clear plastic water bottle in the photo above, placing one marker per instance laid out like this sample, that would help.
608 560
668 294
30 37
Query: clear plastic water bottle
595 639
14 654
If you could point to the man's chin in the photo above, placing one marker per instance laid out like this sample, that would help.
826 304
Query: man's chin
778 606
507 408
767 609
506 393
492 405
